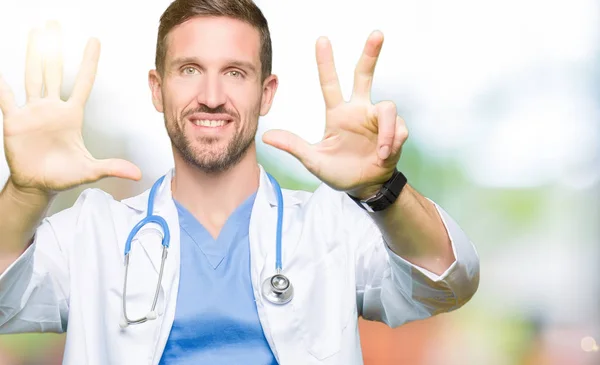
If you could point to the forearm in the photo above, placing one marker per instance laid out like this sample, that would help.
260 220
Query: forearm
414 230
21 213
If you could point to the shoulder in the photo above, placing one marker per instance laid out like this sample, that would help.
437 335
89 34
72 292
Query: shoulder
93 204
325 198
331 208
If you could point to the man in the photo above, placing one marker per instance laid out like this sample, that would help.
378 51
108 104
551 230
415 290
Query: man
364 243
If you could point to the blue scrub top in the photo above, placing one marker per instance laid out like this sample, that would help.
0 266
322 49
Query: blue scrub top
216 321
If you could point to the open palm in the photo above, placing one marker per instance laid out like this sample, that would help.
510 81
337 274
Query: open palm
362 142
42 140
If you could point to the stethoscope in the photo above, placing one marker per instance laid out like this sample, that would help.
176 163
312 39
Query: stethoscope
277 289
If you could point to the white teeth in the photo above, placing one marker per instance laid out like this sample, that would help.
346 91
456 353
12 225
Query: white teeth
209 123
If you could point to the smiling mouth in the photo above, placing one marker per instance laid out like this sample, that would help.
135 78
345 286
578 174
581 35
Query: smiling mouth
209 123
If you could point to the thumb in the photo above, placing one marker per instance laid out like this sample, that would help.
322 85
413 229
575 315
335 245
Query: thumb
292 144
114 167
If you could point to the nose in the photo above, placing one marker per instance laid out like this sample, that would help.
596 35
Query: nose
212 93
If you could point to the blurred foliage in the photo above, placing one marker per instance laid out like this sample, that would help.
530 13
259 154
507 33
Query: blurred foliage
30 346
512 336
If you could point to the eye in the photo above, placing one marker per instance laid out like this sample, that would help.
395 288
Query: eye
189 70
235 73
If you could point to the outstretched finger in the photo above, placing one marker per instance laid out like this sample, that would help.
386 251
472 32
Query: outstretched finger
33 66
114 167
330 85
7 98
294 145
365 69
87 72
53 63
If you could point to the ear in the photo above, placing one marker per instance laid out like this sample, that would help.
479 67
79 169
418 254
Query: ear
154 81
268 93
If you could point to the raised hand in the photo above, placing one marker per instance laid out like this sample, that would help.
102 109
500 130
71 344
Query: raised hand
42 140
362 142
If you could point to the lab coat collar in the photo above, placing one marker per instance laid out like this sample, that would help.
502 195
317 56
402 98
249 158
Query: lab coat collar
164 196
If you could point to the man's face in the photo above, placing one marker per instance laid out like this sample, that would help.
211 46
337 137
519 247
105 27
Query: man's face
211 92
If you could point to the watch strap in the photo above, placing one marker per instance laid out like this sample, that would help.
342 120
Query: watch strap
386 196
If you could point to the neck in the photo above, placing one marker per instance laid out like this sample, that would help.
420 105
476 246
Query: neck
212 197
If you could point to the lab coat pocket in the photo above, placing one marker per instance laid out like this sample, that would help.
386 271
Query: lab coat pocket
324 304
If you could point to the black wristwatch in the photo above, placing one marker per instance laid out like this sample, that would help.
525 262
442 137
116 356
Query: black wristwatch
386 196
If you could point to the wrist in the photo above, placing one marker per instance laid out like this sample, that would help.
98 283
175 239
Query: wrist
366 192
28 195
378 198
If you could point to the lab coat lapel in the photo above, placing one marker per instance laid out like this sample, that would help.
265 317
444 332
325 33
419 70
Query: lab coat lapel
262 248
262 239
148 238
263 224
165 207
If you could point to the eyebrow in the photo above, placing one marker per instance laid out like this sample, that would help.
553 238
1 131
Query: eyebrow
178 62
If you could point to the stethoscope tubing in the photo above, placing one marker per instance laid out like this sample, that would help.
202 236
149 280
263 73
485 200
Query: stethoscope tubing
270 292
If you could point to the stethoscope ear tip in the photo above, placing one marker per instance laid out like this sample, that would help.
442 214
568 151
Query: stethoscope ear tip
123 323
152 315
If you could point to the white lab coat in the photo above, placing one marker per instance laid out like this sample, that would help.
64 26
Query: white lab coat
71 277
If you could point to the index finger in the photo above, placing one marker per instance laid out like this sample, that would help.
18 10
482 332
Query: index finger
330 85
87 72
363 74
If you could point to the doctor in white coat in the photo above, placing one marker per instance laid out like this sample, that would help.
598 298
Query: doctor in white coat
234 270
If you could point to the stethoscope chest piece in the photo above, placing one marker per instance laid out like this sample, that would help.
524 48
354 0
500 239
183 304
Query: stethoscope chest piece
278 289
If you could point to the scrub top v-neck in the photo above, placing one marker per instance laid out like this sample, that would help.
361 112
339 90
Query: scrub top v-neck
216 320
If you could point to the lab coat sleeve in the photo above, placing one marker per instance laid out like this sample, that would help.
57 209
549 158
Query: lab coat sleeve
394 291
34 290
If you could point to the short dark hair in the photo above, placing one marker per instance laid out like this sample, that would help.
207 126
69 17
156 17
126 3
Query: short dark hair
245 10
